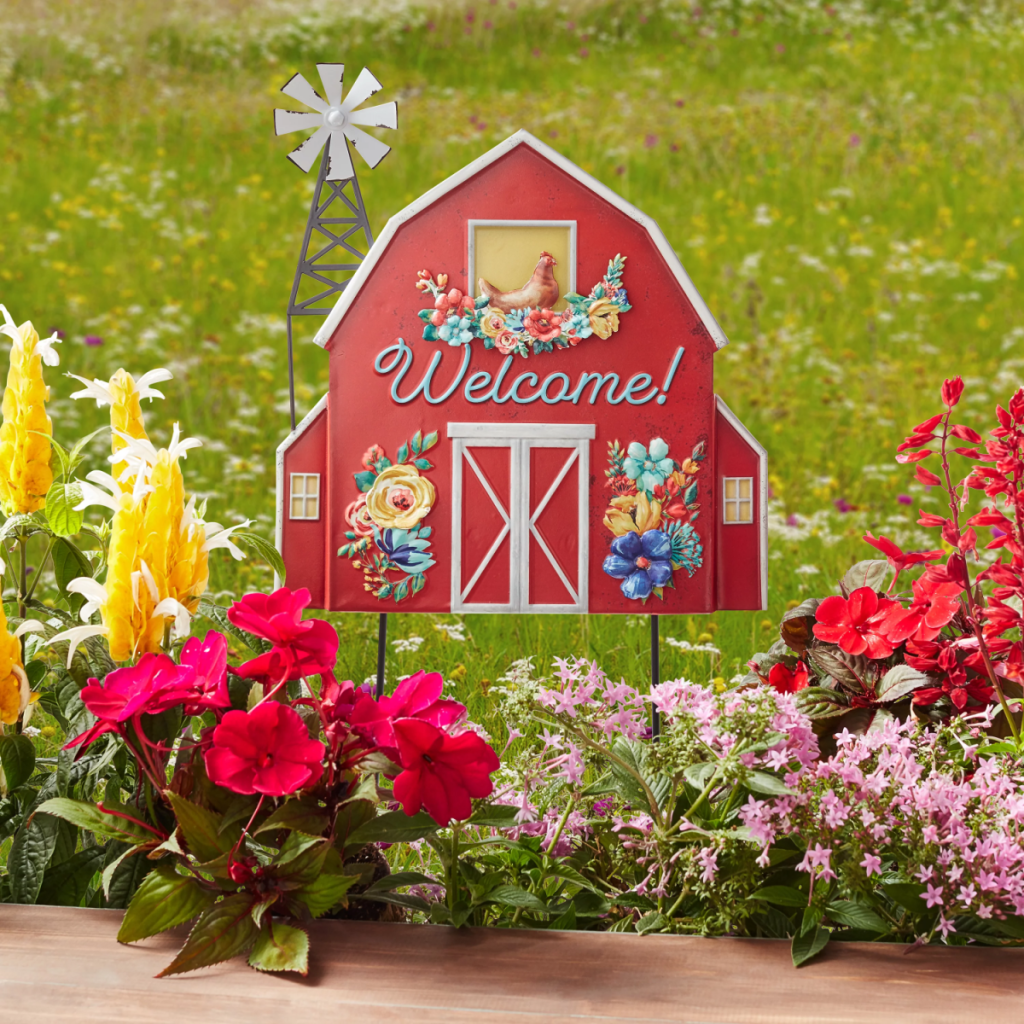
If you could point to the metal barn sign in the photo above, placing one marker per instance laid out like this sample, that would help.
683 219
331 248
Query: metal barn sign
521 415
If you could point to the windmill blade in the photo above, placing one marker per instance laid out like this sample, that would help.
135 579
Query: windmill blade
286 121
341 168
304 155
370 149
332 75
365 86
299 89
384 115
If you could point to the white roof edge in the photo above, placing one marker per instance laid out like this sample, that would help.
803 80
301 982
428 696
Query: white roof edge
302 427
762 458
521 137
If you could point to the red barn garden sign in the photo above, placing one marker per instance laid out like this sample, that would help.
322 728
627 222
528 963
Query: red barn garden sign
521 415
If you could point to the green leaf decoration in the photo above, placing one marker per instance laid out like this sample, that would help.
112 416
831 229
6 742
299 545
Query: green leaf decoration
18 756
513 896
297 817
403 454
423 464
365 479
430 333
394 827
164 899
30 853
324 892
810 944
781 896
281 947
429 441
60 511
92 818
856 915
263 549
202 829
224 931
417 442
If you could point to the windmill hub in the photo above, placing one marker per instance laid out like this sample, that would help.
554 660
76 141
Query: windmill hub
335 117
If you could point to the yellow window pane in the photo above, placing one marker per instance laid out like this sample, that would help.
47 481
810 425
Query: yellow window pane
745 483
730 487
311 508
745 515
296 507
297 486
730 512
312 484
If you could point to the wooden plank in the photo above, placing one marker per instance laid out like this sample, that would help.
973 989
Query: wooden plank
59 964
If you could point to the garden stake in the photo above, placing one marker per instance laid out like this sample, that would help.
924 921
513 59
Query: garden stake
655 676
382 647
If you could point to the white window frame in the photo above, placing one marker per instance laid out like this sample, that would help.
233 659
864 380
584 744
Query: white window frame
738 500
519 523
471 255
305 495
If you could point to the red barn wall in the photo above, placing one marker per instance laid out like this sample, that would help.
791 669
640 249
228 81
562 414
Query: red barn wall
520 185
303 545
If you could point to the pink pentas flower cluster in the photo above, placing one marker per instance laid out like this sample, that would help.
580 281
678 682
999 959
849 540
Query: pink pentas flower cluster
919 807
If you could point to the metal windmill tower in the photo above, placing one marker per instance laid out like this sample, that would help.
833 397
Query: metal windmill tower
338 230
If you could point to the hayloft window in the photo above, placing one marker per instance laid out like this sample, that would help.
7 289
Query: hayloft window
738 503
305 496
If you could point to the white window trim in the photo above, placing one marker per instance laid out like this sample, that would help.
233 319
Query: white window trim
305 497
474 224
519 523
736 501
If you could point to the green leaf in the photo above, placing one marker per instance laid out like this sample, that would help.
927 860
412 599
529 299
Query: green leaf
224 931
841 666
20 526
394 827
89 816
324 892
569 874
653 922
603 785
111 867
262 548
18 756
30 853
281 947
900 681
60 509
907 895
401 878
810 944
869 573
164 899
781 895
494 816
65 884
766 784
201 829
365 480
634 753
513 896
69 563
298 817
855 915
565 923
127 875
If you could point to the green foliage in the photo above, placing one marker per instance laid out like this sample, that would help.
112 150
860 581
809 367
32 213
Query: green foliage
281 947
164 899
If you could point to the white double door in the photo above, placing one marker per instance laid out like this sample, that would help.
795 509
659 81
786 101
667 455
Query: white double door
519 516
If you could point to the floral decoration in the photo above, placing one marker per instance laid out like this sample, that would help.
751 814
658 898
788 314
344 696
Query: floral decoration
458 319
652 517
386 534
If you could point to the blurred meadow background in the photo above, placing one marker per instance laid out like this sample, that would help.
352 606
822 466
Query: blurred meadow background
843 181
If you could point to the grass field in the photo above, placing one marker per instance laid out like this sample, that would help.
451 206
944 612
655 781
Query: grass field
842 182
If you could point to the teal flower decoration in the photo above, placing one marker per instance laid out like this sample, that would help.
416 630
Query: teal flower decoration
649 467
456 330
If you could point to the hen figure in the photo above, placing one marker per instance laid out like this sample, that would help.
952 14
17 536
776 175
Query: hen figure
540 292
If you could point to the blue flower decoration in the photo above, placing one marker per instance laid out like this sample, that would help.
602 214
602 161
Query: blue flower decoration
456 330
648 467
642 563
578 324
405 549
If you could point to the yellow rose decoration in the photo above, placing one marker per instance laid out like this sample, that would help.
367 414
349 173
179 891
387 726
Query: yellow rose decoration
492 323
400 498
619 520
604 318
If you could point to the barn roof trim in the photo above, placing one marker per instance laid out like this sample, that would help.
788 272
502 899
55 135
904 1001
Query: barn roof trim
520 138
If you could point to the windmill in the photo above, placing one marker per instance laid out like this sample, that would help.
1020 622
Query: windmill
338 230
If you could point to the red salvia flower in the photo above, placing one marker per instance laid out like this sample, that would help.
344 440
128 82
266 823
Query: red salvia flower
897 559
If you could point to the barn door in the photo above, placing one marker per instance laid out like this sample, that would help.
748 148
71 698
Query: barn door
519 516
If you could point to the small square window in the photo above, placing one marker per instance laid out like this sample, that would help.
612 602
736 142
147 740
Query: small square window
304 500
738 499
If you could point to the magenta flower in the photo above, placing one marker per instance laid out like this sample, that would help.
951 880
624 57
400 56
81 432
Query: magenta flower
266 750
418 696
441 772
208 660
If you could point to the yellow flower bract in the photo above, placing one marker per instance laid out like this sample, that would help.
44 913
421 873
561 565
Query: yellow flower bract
12 691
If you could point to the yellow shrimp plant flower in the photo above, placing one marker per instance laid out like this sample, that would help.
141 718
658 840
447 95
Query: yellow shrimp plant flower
25 474
124 395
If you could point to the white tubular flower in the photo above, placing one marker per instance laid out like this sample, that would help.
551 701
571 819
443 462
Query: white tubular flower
76 636
219 537
102 392
44 346
182 619
94 592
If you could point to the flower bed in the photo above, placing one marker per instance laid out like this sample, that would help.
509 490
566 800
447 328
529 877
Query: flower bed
863 781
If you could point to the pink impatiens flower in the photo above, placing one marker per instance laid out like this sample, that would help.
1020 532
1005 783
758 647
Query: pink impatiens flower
441 772
417 696
208 660
267 750
858 625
